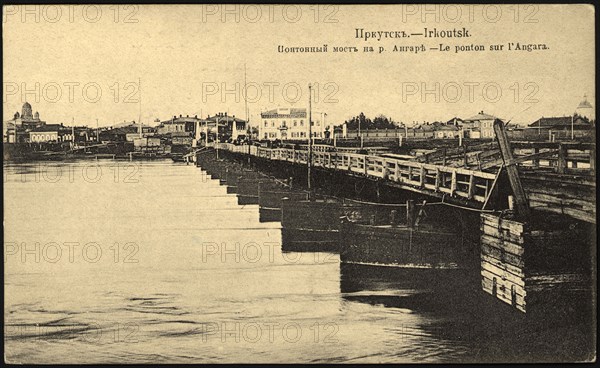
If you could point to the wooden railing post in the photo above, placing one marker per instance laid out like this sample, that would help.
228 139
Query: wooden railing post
438 179
444 157
536 162
562 159
453 183
471 186
593 160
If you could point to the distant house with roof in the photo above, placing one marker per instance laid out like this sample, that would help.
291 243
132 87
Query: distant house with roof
179 125
456 121
225 125
562 123
291 124
480 126
560 126
125 132
445 131
59 133
47 133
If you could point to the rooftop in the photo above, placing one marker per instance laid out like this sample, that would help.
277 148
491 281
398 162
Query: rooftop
481 116
559 121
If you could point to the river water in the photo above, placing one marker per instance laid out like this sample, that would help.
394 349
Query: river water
153 262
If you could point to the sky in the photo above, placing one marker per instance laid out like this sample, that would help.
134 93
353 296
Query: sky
82 63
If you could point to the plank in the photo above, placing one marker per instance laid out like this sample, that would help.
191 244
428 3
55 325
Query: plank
503 266
515 227
502 273
502 234
505 285
506 246
502 256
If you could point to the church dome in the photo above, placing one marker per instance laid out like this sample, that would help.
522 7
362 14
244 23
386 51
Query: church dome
26 111
586 109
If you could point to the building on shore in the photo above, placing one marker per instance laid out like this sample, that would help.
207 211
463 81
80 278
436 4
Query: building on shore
17 129
51 133
226 127
292 124
178 125
559 127
480 126
456 121
445 131
126 132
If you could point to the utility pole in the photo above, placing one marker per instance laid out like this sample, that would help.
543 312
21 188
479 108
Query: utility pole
73 133
248 129
140 114
246 98
572 123
309 161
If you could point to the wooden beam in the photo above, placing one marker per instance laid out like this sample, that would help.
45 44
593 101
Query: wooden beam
522 207
520 159
421 213
488 195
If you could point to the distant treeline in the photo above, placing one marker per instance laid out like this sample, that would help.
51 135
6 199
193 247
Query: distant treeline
379 122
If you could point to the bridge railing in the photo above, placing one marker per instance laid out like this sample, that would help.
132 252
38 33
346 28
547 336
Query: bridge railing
467 184
561 158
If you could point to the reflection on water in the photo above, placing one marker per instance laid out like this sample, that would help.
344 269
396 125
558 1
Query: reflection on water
153 262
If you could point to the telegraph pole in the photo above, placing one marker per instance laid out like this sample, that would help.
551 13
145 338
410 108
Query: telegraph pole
572 123
140 114
248 130
309 161
73 133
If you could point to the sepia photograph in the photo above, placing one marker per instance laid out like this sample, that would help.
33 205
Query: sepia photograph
299 183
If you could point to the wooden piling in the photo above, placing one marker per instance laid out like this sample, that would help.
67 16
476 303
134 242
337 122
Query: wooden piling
410 212
394 218
529 268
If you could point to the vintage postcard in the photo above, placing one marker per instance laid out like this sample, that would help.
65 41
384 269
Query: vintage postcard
325 183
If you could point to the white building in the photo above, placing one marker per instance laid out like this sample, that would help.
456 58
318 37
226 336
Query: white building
480 126
291 124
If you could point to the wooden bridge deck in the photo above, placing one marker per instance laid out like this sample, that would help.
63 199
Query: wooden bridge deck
557 188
